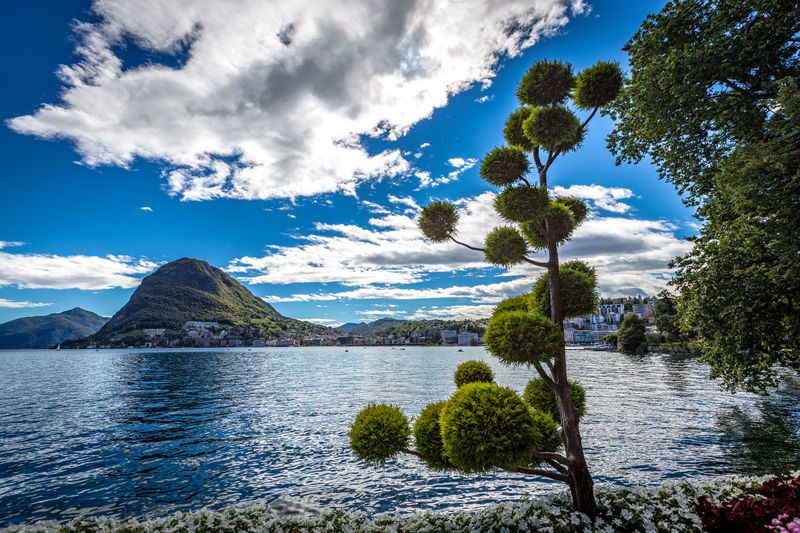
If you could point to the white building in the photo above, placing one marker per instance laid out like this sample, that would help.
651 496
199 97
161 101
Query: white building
466 339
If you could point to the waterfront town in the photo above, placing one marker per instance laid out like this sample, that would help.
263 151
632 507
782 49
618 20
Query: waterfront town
589 329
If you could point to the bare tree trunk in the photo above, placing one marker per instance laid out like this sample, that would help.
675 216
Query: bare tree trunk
580 480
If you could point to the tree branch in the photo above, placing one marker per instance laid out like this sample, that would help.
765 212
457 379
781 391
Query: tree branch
591 116
547 379
539 472
466 245
534 262
413 452
537 159
552 456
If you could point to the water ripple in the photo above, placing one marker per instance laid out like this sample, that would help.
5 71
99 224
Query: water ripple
142 433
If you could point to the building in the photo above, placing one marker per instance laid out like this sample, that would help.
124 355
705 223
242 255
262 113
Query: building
467 338
449 336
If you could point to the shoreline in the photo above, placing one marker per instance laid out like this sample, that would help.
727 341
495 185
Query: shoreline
667 507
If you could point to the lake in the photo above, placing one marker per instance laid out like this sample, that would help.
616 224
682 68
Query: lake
136 433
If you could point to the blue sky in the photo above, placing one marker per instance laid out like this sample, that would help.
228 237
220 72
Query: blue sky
293 148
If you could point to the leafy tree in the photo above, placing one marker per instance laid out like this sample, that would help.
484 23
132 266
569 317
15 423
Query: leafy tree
666 312
713 99
611 338
484 426
631 337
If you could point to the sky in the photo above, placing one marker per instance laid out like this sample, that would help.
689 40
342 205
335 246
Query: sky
293 145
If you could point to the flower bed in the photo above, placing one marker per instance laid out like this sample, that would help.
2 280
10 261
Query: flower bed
671 507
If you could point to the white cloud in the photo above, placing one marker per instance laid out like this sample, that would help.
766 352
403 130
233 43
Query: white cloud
146 209
456 312
385 259
40 271
605 198
9 244
485 98
14 304
271 98
461 164
406 200
424 145
380 313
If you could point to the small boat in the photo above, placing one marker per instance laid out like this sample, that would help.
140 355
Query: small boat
460 350
58 347
346 351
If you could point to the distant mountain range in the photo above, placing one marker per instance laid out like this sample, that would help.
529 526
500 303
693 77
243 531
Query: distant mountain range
50 330
368 329
191 290
386 327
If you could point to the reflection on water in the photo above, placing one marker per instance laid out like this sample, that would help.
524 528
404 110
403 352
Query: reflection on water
135 433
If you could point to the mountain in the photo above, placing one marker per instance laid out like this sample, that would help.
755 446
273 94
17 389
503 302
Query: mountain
50 330
368 329
186 290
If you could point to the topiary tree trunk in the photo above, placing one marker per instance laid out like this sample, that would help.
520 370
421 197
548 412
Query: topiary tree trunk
483 425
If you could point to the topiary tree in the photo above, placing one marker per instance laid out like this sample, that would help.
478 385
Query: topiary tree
473 372
632 335
483 425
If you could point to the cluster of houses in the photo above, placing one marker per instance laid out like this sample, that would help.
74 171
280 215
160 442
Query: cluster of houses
201 334
610 313
589 329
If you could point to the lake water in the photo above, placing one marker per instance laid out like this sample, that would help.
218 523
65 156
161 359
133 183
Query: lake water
143 433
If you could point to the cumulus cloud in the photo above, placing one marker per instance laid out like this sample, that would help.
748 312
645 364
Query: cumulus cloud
485 98
9 244
15 304
269 100
389 258
605 198
457 312
40 271
461 165
146 209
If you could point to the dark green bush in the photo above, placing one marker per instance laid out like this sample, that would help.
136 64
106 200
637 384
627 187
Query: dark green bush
522 337
597 85
473 372
513 132
379 432
438 221
484 425
631 336
578 295
521 203
539 395
515 303
553 128
504 166
505 247
546 83
577 206
556 215
428 437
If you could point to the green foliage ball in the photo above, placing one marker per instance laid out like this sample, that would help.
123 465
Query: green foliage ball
557 216
577 206
379 432
504 165
515 303
505 247
428 437
513 132
546 83
484 425
438 221
547 437
539 395
520 203
597 85
555 128
473 372
578 294
517 337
